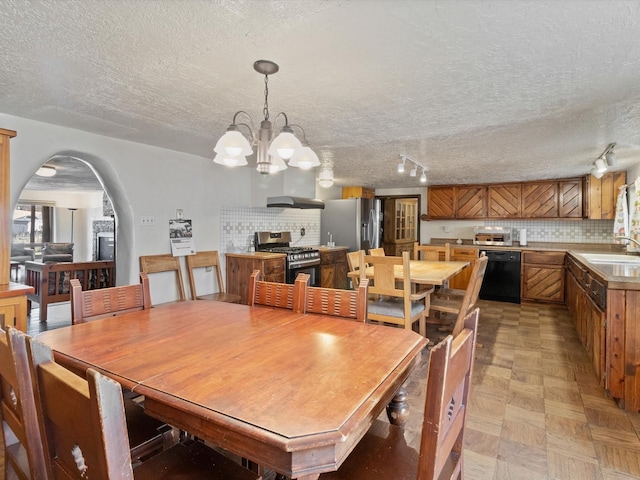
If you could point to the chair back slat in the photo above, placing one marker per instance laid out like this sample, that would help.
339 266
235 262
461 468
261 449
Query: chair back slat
90 305
377 252
337 302
472 292
448 383
432 253
275 294
164 263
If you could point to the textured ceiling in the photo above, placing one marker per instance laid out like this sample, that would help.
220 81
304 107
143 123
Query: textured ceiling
476 90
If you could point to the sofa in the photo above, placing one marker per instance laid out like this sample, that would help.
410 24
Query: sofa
21 253
57 252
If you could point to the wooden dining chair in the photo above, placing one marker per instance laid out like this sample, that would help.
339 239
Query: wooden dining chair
453 293
455 307
377 252
339 303
432 253
147 436
353 260
83 423
275 294
395 303
87 305
23 453
162 264
209 259
383 453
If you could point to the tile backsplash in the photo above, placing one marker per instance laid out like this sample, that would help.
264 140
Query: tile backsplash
238 224
582 231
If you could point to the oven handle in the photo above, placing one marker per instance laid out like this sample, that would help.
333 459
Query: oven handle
304 263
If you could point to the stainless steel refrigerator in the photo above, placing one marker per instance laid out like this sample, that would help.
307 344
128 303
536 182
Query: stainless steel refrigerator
353 222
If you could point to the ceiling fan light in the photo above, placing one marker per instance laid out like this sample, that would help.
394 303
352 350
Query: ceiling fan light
601 166
46 171
596 173
284 145
233 144
611 159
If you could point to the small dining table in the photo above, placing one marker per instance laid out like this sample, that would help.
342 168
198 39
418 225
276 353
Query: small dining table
292 392
424 271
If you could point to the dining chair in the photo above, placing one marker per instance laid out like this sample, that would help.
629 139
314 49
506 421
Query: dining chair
275 294
161 264
23 453
395 303
209 259
338 302
377 252
83 423
453 293
432 253
456 307
383 453
147 436
353 260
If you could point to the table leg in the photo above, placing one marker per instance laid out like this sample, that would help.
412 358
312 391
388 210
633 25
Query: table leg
398 409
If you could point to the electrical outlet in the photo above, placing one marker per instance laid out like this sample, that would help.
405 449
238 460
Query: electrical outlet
302 232
147 220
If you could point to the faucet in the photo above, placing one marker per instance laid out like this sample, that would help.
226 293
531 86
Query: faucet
330 243
622 237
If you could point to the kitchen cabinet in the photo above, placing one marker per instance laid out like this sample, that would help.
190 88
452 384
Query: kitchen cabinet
240 266
441 204
543 276
504 201
570 198
600 195
358 192
471 202
540 200
334 268
463 254
400 225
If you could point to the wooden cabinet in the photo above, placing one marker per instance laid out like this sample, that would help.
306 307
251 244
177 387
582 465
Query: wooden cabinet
543 276
600 195
400 225
334 269
471 202
441 202
570 198
504 201
240 266
358 192
463 254
540 200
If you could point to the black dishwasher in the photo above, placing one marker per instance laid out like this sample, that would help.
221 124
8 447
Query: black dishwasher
502 278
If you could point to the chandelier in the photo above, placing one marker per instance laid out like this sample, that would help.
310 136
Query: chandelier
233 147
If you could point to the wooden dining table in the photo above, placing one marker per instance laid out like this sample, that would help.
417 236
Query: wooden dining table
423 271
289 391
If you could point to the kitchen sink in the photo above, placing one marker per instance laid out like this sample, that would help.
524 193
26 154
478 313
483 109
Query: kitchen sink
611 258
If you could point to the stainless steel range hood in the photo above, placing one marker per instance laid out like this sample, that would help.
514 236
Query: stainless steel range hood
294 202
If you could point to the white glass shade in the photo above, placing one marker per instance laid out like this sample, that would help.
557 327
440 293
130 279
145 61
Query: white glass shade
304 158
284 145
325 178
233 144
401 167
46 171
277 165
596 173
423 177
601 166
230 161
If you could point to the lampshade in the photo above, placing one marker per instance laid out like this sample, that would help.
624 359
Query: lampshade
325 178
413 172
46 171
284 145
233 144
423 177
611 159
229 160
304 158
601 166
596 173
401 167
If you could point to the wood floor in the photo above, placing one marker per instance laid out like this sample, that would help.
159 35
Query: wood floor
536 410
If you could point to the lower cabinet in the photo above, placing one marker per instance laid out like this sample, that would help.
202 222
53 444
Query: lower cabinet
462 254
240 266
334 269
543 276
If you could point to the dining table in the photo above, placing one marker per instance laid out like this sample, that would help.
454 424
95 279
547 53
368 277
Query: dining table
291 392
423 271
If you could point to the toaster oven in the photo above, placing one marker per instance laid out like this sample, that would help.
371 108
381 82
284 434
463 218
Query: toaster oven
492 236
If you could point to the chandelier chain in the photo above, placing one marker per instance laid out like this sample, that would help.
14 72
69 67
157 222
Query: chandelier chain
265 110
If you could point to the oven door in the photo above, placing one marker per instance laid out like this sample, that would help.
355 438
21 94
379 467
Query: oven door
312 270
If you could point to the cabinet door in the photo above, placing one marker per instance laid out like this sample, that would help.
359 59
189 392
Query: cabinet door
327 276
441 202
274 270
540 200
543 283
340 277
471 202
600 195
570 198
504 201
462 254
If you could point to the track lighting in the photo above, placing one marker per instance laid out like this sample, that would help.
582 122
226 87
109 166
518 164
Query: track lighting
414 170
601 165
596 173
604 161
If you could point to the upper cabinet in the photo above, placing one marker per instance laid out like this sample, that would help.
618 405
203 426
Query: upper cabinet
504 201
600 195
543 199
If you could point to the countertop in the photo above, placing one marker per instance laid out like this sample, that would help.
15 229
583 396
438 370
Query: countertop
260 255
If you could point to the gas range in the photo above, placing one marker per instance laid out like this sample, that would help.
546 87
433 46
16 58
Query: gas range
279 242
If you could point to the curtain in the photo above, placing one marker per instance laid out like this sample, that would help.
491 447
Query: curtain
621 221
634 230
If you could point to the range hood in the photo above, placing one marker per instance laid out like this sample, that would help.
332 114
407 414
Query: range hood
294 202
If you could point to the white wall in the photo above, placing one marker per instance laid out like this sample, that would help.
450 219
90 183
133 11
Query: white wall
140 180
